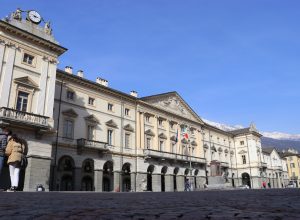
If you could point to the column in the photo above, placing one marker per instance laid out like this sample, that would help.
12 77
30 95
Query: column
117 186
180 183
2 49
155 138
50 90
42 87
7 73
169 184
138 131
133 181
142 130
156 182
77 179
98 180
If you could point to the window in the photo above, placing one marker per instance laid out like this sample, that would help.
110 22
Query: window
127 140
160 122
22 101
242 143
292 165
127 111
110 107
91 101
172 126
28 59
161 145
147 118
110 137
91 132
70 95
68 129
244 159
193 131
148 143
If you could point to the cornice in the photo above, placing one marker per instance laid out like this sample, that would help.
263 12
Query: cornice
32 38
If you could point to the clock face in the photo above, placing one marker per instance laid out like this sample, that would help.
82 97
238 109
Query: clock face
34 17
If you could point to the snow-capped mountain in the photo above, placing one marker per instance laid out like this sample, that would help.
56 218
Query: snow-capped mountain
273 135
223 127
281 136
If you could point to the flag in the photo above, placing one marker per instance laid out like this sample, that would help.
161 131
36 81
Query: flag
185 134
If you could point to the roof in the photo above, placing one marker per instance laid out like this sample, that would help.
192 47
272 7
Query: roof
249 130
268 150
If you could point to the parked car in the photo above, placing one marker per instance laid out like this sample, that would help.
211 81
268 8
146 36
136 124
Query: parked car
243 187
291 185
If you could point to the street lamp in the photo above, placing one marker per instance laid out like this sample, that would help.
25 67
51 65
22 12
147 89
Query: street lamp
189 143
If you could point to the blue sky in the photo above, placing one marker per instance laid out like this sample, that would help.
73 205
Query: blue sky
233 62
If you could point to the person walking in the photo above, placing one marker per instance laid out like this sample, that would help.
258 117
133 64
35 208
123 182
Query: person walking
3 142
264 184
15 150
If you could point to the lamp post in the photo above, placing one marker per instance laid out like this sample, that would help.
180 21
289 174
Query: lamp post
191 173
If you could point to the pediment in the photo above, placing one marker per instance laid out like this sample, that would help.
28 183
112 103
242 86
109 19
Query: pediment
194 143
70 112
111 123
213 148
149 132
173 138
242 152
128 127
172 102
27 82
220 149
162 136
205 146
226 151
92 119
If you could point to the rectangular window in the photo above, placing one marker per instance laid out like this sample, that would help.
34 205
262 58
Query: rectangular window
127 111
148 143
28 59
70 95
110 107
91 132
161 145
91 101
22 101
242 143
110 137
160 122
147 118
292 165
127 140
68 129
244 159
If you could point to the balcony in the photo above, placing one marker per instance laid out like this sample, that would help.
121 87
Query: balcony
171 156
10 116
263 165
82 143
276 167
224 164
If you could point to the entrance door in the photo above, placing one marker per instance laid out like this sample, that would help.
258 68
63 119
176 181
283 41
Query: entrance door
149 182
246 179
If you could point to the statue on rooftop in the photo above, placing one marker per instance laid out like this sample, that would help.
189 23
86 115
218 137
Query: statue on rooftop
48 28
17 14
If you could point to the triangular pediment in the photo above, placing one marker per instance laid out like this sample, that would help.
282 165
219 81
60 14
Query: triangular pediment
194 143
128 127
162 136
111 123
26 81
242 152
149 132
70 112
92 119
172 102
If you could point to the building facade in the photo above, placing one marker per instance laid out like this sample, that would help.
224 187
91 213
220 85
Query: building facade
84 135
293 165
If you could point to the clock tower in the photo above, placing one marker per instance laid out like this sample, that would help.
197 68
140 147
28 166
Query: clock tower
28 61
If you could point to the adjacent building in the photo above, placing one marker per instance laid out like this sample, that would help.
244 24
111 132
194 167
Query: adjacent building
84 135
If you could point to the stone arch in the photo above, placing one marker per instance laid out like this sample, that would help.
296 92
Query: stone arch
150 171
108 176
126 178
87 172
65 174
164 170
246 179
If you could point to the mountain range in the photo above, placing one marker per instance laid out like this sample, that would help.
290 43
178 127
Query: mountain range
277 140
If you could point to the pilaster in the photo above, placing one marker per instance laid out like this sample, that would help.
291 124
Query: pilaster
2 49
156 182
169 183
42 87
98 177
77 179
133 181
117 185
50 89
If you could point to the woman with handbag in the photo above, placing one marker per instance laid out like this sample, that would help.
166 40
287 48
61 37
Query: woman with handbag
15 150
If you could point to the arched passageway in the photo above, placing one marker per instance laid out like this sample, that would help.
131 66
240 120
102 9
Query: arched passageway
126 180
163 181
246 179
149 177
176 170
108 177
65 174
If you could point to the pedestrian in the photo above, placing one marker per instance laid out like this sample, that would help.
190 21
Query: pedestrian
3 142
187 186
264 184
16 148
269 184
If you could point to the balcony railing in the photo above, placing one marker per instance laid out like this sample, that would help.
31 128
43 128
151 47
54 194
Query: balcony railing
8 115
262 164
98 145
172 156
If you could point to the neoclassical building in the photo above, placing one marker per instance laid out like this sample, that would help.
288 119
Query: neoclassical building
85 136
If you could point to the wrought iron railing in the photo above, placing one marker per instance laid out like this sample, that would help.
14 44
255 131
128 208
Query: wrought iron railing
172 156
20 116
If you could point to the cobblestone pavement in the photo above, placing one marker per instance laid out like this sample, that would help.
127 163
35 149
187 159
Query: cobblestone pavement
231 204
